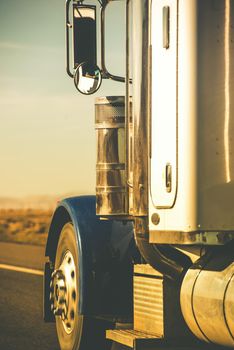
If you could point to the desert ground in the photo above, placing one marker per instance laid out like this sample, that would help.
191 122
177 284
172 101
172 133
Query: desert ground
24 225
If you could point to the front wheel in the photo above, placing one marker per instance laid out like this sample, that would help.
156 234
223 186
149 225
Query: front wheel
75 331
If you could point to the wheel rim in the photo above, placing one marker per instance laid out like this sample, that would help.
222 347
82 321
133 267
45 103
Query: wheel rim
64 290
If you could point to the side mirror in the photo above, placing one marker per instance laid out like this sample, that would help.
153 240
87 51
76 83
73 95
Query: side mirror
84 34
84 48
87 78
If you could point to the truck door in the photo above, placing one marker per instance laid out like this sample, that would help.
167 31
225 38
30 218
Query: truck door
164 131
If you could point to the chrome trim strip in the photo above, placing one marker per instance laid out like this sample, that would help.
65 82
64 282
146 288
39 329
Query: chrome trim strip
190 238
110 189
110 166
141 50
109 125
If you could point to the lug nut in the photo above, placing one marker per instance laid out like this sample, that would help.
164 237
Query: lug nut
58 312
61 301
62 288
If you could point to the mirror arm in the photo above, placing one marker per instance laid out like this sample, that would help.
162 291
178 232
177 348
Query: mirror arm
68 27
105 72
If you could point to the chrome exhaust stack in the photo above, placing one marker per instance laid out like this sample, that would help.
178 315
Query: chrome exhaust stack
111 186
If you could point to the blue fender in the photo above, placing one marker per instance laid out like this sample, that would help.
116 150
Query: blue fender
106 252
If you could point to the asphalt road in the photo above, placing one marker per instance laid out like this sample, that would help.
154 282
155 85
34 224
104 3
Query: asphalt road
22 326
22 255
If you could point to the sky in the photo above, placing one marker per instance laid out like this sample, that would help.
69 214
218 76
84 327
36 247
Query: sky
47 134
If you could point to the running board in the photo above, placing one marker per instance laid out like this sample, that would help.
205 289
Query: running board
136 340
132 338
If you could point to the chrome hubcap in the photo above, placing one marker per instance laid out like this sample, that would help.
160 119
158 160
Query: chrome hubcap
63 295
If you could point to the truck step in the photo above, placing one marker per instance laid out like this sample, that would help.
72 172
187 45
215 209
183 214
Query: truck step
131 337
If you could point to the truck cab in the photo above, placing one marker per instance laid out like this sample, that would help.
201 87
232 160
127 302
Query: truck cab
148 261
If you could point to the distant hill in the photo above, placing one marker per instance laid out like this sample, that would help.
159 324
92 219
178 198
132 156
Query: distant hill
46 202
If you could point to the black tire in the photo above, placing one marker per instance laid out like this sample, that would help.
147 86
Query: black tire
86 333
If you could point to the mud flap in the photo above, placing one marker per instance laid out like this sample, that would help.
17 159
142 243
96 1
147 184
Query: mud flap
48 315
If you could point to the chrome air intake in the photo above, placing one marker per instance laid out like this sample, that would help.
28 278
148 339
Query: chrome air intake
111 190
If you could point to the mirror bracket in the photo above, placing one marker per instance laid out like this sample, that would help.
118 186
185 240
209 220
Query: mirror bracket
68 26
106 74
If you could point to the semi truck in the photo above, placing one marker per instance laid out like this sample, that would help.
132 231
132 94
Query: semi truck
148 262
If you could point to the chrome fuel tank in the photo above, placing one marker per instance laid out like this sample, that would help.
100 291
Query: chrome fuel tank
207 298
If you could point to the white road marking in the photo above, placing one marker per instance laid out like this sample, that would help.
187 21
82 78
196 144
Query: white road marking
21 269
